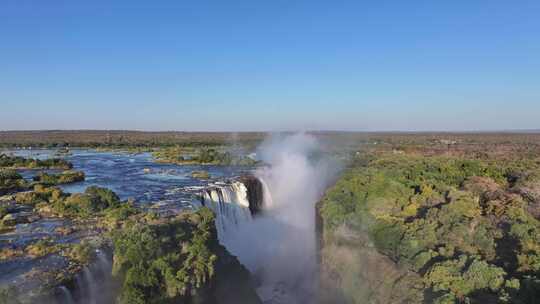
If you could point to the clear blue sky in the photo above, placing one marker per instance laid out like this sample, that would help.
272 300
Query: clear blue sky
270 65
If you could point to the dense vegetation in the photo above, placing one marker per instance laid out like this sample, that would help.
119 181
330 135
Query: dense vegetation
11 181
123 139
202 155
94 202
417 219
65 177
118 139
17 162
156 260
466 230
177 261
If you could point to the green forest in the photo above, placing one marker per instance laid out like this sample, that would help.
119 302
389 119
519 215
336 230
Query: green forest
456 229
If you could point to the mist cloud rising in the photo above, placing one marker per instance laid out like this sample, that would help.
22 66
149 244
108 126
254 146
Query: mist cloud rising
279 246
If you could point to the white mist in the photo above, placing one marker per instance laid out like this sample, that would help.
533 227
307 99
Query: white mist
279 247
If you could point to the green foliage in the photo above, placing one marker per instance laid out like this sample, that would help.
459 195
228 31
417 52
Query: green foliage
3 211
41 248
11 181
83 253
18 162
122 212
200 174
95 201
449 219
207 156
456 277
165 261
92 201
65 177
202 155
7 174
104 197
40 195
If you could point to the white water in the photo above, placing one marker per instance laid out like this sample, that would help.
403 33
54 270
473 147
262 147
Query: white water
231 206
93 283
280 246
67 298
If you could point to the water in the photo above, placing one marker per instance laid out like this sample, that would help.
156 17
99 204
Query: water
134 176
94 284
165 187
231 206
67 298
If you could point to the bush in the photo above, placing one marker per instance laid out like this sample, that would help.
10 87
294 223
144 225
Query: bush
21 162
65 177
200 174
460 280
114 216
11 181
94 200
42 248
104 196
83 253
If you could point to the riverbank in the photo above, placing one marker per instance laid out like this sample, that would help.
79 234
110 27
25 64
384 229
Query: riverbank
57 246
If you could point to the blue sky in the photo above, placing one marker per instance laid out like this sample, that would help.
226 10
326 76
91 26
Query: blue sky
270 65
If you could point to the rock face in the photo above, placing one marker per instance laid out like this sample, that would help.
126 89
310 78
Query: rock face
233 282
352 270
254 193
531 193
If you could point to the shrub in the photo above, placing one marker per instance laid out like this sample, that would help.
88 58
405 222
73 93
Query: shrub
42 248
454 276
65 177
83 253
103 196
21 162
11 181
200 174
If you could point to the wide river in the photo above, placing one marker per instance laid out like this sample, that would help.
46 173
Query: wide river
135 176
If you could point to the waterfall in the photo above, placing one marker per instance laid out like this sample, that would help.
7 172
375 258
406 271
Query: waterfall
230 203
94 282
279 245
267 195
88 278
80 288
67 298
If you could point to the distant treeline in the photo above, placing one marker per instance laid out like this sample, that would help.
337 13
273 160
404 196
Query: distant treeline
121 138
98 138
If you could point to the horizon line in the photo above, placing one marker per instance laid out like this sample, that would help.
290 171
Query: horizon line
469 131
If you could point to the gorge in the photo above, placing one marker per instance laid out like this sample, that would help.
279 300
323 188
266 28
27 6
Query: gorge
264 216
418 224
